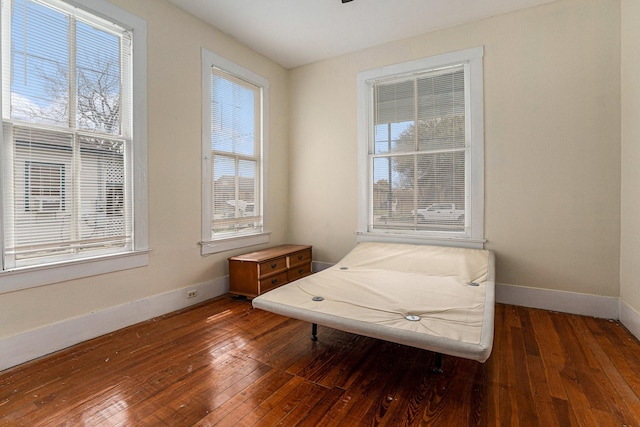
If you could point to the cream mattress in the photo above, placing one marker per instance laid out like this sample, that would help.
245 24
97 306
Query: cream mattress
431 297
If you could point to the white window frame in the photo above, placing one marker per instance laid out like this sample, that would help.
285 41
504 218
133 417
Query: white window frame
43 274
473 236
207 244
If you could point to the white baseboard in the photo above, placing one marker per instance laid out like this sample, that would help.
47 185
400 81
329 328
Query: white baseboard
630 318
566 302
30 345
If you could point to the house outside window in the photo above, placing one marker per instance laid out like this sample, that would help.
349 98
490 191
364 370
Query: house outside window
233 143
73 126
421 151
45 187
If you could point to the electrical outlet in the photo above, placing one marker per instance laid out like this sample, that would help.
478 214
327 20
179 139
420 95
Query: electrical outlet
192 293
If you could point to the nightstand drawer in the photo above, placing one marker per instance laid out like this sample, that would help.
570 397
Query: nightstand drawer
298 258
272 266
272 282
299 271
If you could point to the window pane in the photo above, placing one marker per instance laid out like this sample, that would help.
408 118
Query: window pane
394 102
42 211
224 187
441 111
247 170
382 194
441 178
98 80
393 192
103 202
233 110
235 204
39 64
394 138
420 192
45 221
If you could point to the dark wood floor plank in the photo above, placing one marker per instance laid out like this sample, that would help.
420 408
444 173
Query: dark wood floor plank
622 349
508 411
278 405
526 411
620 398
544 402
155 372
574 352
459 398
299 414
565 415
578 402
527 331
224 363
249 392
290 406
373 395
316 411
491 371
407 369
84 363
351 350
551 353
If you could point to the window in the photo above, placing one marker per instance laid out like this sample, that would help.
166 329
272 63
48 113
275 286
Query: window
73 126
233 142
421 151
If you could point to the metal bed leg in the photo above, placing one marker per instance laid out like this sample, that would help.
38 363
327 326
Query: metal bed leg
438 368
314 332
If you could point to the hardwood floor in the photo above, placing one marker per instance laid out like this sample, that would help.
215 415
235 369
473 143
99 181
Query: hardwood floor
224 363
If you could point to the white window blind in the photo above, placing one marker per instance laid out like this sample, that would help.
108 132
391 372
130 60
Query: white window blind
67 120
235 155
418 152
421 151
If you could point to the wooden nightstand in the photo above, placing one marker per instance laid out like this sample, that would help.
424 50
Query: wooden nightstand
257 272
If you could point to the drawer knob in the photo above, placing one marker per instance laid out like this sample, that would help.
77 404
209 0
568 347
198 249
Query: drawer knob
274 265
274 281
300 257
301 271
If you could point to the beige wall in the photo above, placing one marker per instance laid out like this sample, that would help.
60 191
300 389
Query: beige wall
630 240
552 141
174 147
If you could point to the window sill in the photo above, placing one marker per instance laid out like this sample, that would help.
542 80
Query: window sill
236 242
35 276
421 240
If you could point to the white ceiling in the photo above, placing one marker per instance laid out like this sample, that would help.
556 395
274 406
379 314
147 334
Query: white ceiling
299 32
